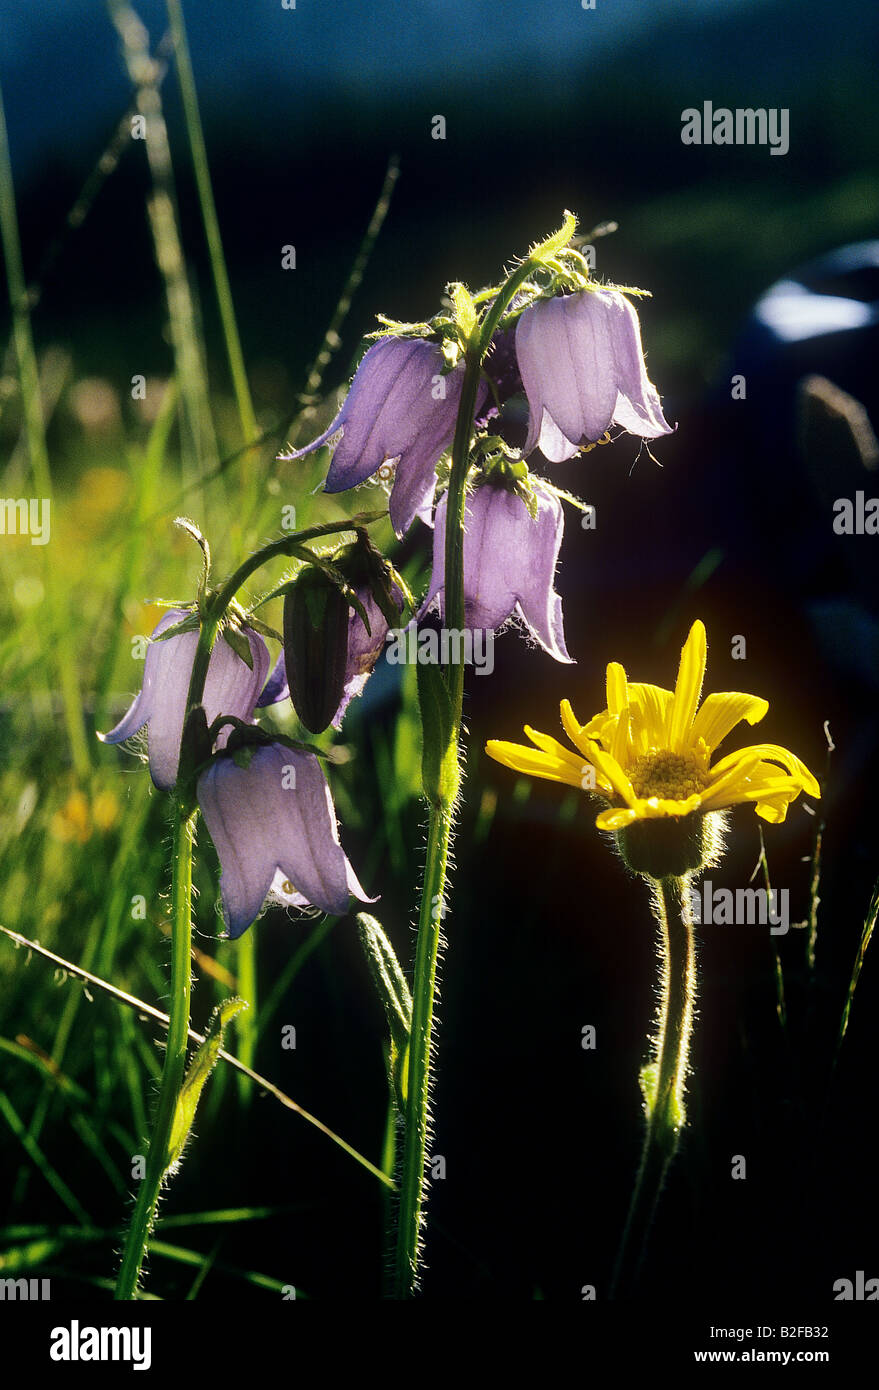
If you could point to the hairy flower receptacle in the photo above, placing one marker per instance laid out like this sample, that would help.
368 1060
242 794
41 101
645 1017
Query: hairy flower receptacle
667 847
672 846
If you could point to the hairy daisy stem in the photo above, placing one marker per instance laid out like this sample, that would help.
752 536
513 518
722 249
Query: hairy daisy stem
175 1057
665 1090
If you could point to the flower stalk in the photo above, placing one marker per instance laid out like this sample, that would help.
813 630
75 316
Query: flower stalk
664 1079
410 1215
157 1165
195 743
412 1179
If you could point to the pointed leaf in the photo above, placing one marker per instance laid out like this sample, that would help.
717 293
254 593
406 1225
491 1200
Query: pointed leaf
439 759
235 638
197 1074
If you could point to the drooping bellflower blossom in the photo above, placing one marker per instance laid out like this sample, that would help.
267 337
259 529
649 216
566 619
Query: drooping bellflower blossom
509 563
231 687
399 407
364 650
583 370
273 826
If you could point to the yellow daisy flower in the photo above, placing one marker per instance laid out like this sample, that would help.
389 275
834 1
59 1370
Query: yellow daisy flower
649 753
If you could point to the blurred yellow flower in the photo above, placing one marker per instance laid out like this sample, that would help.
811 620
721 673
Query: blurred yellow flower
79 818
649 753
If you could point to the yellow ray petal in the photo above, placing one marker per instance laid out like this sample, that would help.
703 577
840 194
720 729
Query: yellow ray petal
720 713
648 715
574 729
551 745
533 762
617 692
775 753
615 818
688 688
621 747
610 770
728 782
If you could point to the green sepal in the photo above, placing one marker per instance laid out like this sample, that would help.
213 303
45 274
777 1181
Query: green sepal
328 567
394 328
365 566
393 991
197 1073
235 638
190 624
246 738
263 628
546 251
440 773
564 496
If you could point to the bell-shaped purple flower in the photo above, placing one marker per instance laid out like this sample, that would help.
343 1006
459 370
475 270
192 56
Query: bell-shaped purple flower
273 826
509 563
231 687
583 370
364 650
399 407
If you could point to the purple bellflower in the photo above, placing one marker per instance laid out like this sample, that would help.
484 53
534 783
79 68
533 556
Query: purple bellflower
364 650
509 562
231 687
583 370
273 826
399 407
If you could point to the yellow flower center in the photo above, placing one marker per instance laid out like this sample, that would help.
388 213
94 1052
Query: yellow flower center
668 776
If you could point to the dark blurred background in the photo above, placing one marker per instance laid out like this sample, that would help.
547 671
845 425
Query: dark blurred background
547 106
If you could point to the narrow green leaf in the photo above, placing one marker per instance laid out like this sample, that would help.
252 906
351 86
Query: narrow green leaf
439 759
199 1070
393 990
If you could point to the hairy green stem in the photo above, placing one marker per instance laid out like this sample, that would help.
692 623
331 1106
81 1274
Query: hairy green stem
412 1175
412 1195
175 1057
667 1078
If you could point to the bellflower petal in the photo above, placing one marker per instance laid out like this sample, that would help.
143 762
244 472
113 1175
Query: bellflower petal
275 816
583 370
399 407
231 687
509 563
502 367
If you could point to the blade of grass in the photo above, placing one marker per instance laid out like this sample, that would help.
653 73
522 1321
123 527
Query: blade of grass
41 1162
222 288
292 969
866 933
147 474
199 451
61 639
192 1257
207 1265
95 941
142 1008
